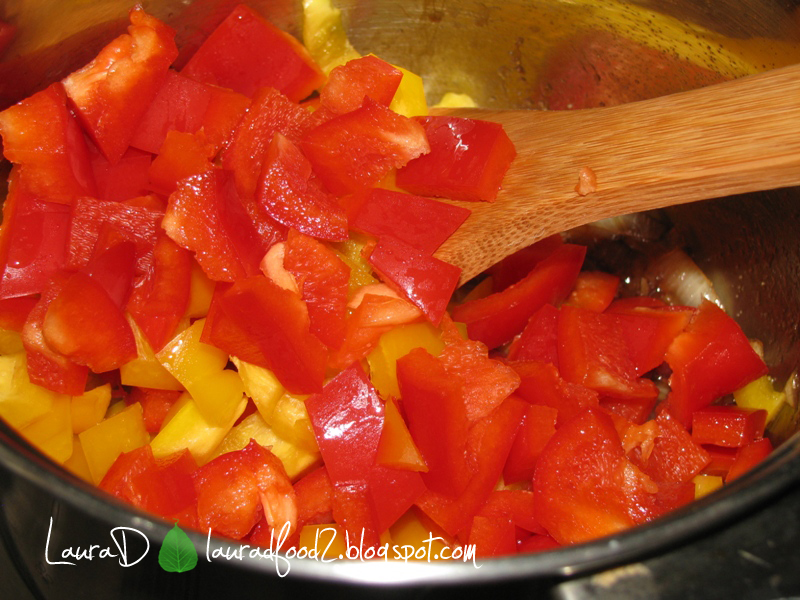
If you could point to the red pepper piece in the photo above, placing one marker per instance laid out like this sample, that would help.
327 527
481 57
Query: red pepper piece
185 105
41 134
353 510
423 279
356 150
271 112
348 419
539 340
90 217
33 241
537 427
14 312
290 194
710 359
161 296
84 324
46 367
538 543
112 265
594 290
206 216
492 536
721 460
648 332
728 426
128 178
262 323
518 505
323 279
467 161
592 352
485 382
422 223
516 266
676 457
392 493
747 457
496 319
314 498
636 410
118 479
349 84
182 155
541 384
437 420
155 404
112 93
246 52
488 445
584 485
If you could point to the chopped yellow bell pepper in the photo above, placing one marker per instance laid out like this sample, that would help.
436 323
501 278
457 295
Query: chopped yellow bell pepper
188 428
52 432
761 394
261 385
409 99
10 342
103 443
201 289
396 448
291 422
395 344
360 270
296 460
416 531
324 35
453 100
21 401
89 408
705 484
146 370
76 464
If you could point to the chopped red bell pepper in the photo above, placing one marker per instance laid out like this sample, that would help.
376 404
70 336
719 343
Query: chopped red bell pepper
41 134
467 161
747 457
185 105
594 290
728 426
539 340
349 84
515 267
422 223
160 297
113 92
392 493
15 311
246 52
206 216
541 384
264 324
537 427
495 319
518 505
323 279
182 155
492 536
271 112
128 178
422 278
112 265
155 404
710 359
289 193
357 149
676 457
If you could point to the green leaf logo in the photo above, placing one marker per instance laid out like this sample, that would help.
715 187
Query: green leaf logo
177 554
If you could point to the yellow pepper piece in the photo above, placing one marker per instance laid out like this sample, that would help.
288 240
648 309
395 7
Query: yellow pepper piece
291 422
76 464
453 100
409 99
705 484
296 460
396 447
201 289
145 370
360 270
760 394
188 428
52 432
103 443
395 344
261 385
324 35
327 540
199 368
90 408
21 401
414 532
10 342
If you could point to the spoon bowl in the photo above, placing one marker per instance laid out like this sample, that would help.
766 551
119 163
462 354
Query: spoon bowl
729 138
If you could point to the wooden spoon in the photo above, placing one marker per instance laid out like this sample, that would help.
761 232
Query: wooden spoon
730 138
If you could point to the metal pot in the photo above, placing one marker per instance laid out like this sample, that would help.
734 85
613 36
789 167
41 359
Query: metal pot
494 51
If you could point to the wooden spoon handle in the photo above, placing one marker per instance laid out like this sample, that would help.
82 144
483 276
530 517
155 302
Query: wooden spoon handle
731 138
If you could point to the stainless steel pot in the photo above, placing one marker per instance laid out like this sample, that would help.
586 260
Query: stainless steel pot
495 52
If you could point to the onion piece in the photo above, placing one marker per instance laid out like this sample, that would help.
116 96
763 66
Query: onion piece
679 280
